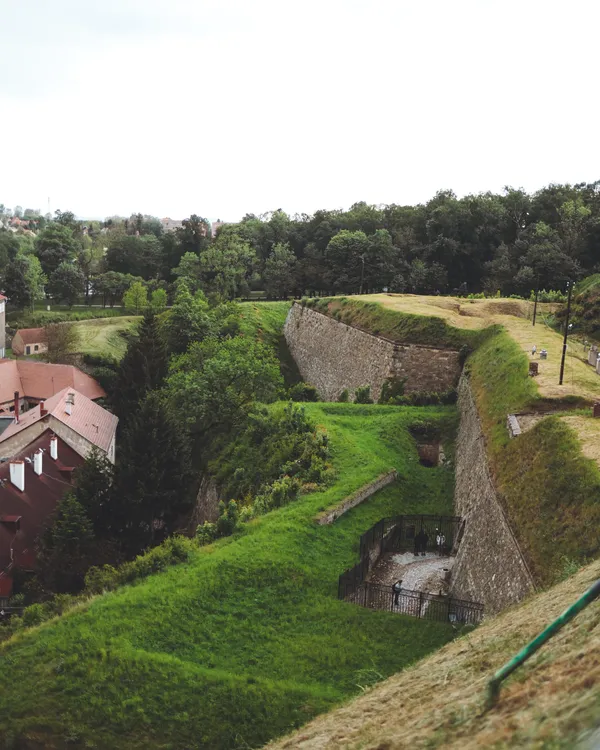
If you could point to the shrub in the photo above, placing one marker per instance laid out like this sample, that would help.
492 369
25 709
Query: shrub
344 397
362 395
304 392
392 388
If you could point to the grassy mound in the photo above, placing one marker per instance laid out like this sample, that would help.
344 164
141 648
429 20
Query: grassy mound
402 327
551 702
265 320
248 639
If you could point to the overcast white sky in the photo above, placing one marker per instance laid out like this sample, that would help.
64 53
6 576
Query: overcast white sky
222 107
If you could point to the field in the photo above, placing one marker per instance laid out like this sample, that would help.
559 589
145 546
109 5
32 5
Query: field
515 315
246 641
102 336
551 702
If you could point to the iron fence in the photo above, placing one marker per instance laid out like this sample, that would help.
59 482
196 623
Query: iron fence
417 604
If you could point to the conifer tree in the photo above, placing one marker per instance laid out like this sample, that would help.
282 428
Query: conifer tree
142 369
151 486
92 490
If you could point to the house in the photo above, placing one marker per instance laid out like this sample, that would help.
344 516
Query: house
170 225
73 417
35 381
29 341
2 326
31 484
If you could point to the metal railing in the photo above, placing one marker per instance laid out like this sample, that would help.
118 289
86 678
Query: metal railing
417 604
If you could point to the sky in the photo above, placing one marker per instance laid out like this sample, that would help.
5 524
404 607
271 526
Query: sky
228 107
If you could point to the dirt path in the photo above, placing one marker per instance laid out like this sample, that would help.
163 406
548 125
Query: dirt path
416 573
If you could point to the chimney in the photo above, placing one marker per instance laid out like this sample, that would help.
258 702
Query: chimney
17 474
43 410
69 403
17 406
37 461
54 447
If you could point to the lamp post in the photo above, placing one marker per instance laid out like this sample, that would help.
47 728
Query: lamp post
564 351
537 291
362 272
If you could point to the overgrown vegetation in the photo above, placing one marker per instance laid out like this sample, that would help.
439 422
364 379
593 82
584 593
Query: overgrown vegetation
250 623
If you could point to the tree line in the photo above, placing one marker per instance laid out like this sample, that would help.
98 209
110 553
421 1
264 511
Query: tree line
508 242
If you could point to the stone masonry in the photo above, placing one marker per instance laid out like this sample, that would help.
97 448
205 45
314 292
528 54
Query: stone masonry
489 566
334 356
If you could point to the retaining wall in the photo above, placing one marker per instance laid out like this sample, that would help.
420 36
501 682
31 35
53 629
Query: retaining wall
489 566
334 356
358 497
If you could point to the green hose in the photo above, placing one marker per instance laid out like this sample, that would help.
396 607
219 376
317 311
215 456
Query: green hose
530 649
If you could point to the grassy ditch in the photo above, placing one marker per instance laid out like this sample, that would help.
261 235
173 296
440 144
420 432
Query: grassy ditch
246 640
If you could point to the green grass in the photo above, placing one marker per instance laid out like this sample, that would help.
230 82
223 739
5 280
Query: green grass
551 492
587 284
402 327
59 314
103 336
248 639
265 320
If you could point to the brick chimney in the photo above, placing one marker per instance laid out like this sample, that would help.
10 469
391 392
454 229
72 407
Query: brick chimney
43 410
54 447
17 406
17 474
37 461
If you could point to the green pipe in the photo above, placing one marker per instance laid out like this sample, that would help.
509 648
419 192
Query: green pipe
530 649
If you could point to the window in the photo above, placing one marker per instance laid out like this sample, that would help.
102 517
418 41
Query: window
35 348
27 350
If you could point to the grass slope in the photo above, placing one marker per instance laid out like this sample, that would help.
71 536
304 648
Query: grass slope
551 702
247 640
102 336
265 320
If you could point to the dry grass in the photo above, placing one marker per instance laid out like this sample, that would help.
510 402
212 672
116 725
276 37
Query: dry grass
102 335
440 701
588 432
579 378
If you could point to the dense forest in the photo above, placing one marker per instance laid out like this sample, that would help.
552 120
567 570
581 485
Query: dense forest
507 242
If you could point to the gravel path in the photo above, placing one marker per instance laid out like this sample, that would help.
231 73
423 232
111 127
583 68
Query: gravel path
417 573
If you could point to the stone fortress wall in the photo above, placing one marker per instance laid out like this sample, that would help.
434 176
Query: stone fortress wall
334 356
489 565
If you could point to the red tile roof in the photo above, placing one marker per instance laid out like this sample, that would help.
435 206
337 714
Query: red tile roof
88 419
34 505
31 335
39 380
2 297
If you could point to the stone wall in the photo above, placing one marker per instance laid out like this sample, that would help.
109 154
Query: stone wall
207 503
489 566
334 356
356 498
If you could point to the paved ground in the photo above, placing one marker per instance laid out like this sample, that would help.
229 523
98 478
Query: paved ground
417 573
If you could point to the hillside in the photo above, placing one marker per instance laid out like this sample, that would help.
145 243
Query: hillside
549 478
102 336
248 639
551 702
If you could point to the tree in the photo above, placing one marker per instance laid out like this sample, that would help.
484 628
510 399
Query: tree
66 284
61 340
112 285
188 321
16 283
213 387
152 480
18 211
194 235
63 547
278 276
226 267
142 369
35 279
9 247
189 272
347 254
136 297
130 254
55 245
158 301
92 490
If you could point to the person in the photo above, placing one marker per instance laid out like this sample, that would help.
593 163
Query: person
397 588
440 541
417 544
425 539
533 350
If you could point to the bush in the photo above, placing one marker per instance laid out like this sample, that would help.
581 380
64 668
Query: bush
392 389
344 397
304 392
362 395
